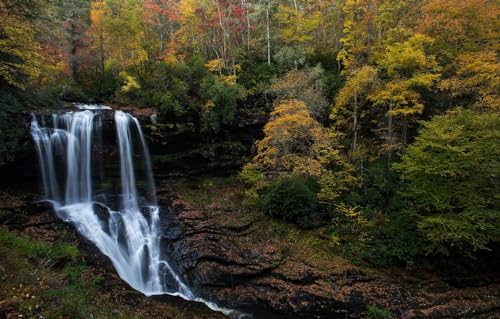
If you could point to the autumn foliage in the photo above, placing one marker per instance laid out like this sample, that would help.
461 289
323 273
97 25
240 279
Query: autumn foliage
350 90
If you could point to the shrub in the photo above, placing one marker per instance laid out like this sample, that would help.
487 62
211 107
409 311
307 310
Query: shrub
399 243
374 312
292 199
349 229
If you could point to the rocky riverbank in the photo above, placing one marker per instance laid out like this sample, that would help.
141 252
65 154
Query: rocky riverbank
242 259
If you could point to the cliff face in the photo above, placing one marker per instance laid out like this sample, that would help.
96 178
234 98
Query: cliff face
178 149
181 149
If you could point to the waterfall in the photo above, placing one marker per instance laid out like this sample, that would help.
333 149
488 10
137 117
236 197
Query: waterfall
126 230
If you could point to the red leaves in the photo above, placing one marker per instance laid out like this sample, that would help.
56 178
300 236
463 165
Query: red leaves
238 11
161 8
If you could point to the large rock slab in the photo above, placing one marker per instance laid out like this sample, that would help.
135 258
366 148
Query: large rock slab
218 263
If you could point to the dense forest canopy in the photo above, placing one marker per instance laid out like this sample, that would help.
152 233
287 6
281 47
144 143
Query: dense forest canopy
384 114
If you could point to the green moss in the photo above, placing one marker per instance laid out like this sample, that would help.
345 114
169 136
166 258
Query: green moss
374 312
35 250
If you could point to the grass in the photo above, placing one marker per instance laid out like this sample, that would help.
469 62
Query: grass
52 280
44 279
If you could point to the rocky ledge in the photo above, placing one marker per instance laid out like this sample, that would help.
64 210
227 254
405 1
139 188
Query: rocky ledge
224 264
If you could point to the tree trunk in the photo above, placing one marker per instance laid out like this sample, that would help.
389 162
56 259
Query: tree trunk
224 45
268 34
355 125
389 135
73 49
244 5
404 132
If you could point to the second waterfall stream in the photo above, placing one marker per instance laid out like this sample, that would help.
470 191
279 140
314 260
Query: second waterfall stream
124 226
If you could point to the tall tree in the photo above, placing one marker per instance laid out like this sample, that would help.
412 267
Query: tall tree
74 15
452 171
19 51
353 95
408 69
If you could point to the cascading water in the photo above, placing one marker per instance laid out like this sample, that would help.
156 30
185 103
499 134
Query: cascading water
128 231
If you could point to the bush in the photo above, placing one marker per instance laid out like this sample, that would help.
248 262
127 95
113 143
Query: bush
374 312
349 229
398 243
292 199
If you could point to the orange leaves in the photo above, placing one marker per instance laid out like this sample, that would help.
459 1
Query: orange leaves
293 140
458 26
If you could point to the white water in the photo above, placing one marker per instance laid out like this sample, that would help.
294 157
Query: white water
128 235
81 106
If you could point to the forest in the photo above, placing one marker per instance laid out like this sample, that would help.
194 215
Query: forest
378 127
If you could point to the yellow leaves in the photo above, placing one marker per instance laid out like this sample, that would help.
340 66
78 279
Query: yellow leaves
215 65
97 11
478 75
422 80
293 140
229 79
357 84
19 51
403 101
409 69
409 57
208 106
130 83
220 66
297 25
171 59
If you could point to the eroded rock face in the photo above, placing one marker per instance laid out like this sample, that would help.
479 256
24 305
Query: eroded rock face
219 264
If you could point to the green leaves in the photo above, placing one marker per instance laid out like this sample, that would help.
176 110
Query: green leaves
452 171
221 100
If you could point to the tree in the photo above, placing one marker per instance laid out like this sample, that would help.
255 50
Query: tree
19 52
354 93
297 25
293 141
452 171
98 13
125 40
74 15
160 17
408 70
476 81
220 107
304 85
470 26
